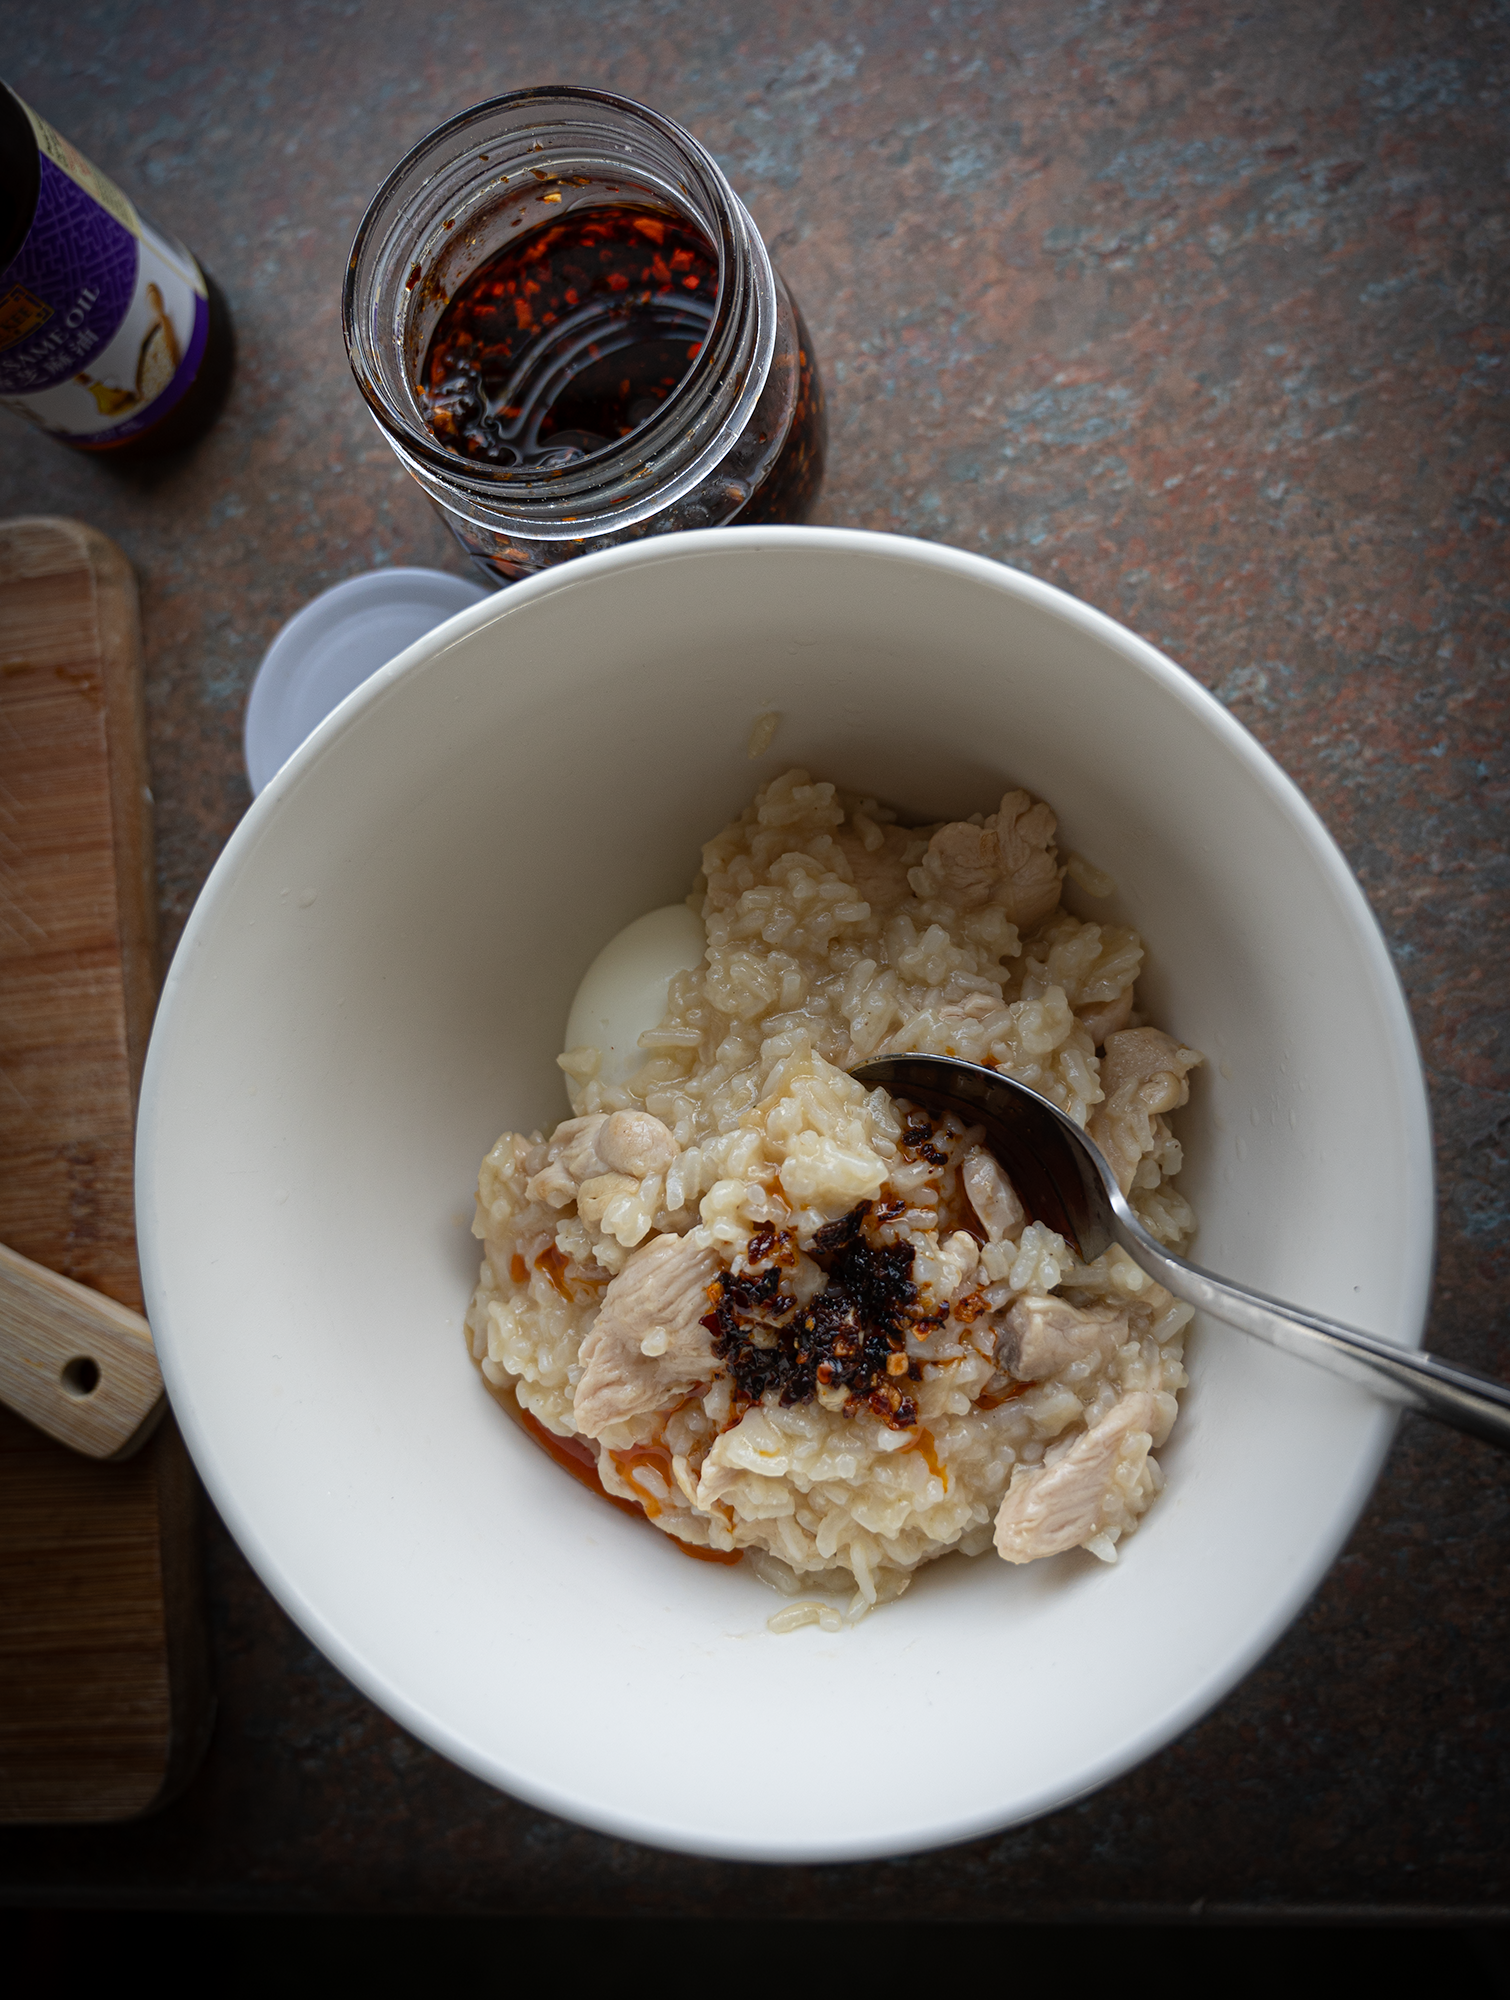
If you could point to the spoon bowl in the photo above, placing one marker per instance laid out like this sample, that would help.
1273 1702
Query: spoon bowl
1064 1180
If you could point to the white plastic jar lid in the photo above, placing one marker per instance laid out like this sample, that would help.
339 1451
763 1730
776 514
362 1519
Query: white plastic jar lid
335 643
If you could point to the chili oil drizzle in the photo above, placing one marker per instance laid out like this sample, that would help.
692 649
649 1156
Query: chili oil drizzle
850 1336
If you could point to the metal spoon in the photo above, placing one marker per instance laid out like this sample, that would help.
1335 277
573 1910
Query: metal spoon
1063 1180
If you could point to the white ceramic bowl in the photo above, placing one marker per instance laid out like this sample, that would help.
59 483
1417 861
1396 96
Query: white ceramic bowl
374 984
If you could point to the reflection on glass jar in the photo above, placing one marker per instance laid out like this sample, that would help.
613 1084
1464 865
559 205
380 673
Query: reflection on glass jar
571 334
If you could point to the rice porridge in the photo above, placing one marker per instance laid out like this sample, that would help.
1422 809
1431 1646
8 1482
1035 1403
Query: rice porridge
798 1321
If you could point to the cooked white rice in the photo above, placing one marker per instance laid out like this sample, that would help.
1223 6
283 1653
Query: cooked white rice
1018 1396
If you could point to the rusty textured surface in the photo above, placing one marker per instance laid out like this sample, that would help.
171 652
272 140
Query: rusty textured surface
1197 311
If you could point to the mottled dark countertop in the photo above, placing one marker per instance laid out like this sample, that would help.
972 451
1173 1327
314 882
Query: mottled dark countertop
1197 311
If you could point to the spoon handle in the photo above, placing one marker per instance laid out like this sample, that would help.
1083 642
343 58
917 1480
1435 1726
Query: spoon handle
1457 1396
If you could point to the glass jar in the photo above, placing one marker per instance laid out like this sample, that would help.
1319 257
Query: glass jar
740 437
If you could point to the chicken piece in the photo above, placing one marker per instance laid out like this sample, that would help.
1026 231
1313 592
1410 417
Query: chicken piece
553 1184
962 864
575 1145
595 1195
1009 861
1143 1073
583 1150
1041 1335
880 872
992 1195
1106 1017
632 1142
647 1347
1029 865
570 1159
1057 1507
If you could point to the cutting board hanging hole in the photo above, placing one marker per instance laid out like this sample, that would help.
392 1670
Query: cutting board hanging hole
80 1377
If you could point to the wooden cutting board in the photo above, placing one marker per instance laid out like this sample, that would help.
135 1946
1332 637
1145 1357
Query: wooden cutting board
104 1693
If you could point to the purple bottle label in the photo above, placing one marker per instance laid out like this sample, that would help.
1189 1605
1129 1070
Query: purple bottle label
103 320
67 292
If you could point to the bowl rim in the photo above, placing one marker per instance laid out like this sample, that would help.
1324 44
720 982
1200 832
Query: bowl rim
1163 1727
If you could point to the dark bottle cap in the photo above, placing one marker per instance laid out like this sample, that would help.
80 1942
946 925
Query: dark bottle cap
20 176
